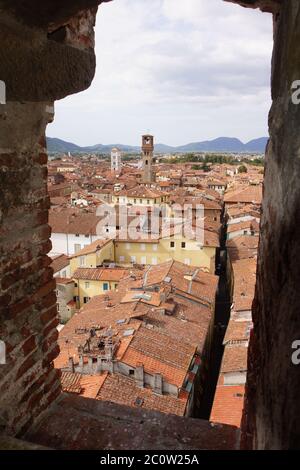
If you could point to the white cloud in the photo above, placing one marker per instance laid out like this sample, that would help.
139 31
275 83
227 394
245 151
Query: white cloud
186 70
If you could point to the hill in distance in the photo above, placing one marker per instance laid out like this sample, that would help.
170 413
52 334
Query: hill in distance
221 144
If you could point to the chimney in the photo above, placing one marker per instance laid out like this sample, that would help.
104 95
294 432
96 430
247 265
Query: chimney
71 365
191 276
158 384
81 362
139 375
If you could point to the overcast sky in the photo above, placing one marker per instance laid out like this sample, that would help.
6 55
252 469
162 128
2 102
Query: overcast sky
184 70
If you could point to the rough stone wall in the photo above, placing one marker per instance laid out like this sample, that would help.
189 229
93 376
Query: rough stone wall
270 6
28 317
45 53
272 418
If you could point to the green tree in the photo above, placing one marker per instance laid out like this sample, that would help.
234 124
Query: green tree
205 167
242 169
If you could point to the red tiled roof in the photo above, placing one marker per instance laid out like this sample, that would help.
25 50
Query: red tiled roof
73 222
123 390
100 274
86 385
234 359
159 352
250 194
92 248
228 405
59 262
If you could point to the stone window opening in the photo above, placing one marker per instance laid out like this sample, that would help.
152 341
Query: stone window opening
28 292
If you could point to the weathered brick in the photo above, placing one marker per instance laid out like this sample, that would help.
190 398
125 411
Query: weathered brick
27 364
12 265
51 356
49 314
53 381
50 340
40 218
8 160
50 327
45 247
34 399
33 388
48 301
5 299
47 275
10 279
46 261
19 307
41 158
53 395
45 290
42 142
43 203
29 345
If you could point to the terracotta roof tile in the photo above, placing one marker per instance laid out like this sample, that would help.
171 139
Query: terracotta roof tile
59 262
123 390
237 330
86 385
73 222
92 248
159 352
250 194
234 359
100 274
228 405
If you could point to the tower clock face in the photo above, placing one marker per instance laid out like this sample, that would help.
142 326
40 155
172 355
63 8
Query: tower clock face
147 140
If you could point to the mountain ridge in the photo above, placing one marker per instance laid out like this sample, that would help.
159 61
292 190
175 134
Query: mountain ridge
220 144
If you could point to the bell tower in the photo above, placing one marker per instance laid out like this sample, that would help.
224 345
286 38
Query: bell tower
147 151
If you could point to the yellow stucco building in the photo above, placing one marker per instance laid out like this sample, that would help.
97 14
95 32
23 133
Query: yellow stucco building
90 282
156 251
140 196
91 278
93 255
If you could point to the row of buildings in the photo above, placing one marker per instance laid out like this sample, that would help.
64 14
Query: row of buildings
146 343
137 314
242 220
